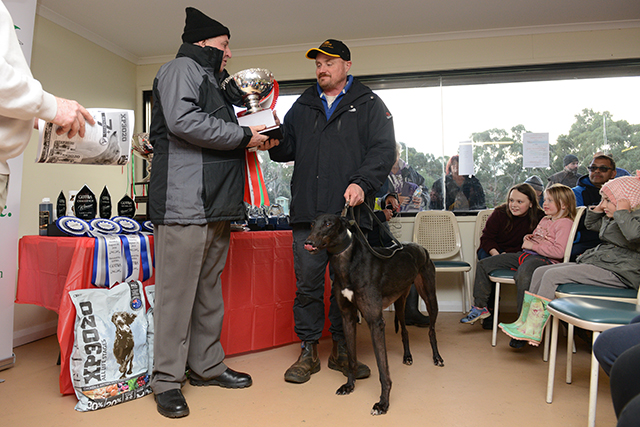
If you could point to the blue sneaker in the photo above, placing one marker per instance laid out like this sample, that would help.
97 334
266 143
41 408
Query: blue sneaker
476 313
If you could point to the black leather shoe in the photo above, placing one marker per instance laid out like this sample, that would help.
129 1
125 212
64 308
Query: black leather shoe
228 379
172 404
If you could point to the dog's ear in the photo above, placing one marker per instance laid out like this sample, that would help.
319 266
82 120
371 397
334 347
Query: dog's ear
129 318
113 317
347 222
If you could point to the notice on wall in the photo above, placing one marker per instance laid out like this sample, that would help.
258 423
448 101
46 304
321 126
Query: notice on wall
535 150
465 163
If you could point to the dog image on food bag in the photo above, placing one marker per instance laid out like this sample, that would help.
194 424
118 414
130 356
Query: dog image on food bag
123 344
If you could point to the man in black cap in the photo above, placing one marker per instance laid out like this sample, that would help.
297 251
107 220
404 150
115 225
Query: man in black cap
567 176
196 189
341 137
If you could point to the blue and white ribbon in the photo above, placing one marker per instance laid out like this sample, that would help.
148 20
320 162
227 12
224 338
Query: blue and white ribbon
136 256
107 261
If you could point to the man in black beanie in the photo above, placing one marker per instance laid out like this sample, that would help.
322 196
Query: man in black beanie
196 189
567 176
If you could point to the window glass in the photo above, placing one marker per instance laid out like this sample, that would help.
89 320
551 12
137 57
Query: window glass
582 116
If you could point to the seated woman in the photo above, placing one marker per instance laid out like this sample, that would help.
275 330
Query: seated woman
613 263
407 184
546 245
463 192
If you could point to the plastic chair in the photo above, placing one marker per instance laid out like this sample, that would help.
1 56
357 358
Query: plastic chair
481 222
505 277
439 234
591 314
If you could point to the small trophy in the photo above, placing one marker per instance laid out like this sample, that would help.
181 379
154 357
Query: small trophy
255 84
143 149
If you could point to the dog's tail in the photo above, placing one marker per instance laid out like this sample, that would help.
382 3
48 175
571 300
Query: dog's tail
396 322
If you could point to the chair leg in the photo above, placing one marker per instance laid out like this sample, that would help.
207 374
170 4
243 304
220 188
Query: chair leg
552 358
468 280
496 305
547 340
465 294
593 385
569 352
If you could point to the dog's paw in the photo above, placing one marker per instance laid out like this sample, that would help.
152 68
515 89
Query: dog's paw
345 389
407 360
437 360
380 408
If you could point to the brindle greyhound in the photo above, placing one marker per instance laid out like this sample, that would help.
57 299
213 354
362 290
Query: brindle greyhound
370 283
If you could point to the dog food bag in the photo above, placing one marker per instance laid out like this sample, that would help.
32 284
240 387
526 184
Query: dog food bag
109 361
150 291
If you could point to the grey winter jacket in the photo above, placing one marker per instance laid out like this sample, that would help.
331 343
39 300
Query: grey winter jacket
197 173
619 251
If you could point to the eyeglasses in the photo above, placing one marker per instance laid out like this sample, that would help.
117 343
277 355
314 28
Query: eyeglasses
603 169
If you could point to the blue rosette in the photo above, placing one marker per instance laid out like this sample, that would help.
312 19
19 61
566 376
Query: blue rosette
73 226
128 225
104 227
147 226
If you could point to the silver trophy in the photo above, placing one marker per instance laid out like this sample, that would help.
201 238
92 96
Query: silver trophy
255 84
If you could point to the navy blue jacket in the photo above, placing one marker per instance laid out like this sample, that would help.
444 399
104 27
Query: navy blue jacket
355 145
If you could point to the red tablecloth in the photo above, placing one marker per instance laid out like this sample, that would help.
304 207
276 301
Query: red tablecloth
258 286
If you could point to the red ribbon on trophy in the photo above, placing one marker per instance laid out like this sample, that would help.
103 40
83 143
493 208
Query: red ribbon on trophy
255 189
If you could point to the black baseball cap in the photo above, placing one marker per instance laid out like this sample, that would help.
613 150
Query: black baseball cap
331 47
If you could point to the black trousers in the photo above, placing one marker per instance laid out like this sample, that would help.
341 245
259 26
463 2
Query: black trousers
625 387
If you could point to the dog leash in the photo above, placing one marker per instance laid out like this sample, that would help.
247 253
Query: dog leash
397 246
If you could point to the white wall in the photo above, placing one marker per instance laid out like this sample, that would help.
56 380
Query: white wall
73 67
69 66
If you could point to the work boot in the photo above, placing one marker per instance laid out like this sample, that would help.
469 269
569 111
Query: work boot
412 315
308 363
533 318
338 361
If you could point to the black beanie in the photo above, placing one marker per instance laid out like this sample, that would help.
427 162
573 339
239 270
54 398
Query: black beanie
199 26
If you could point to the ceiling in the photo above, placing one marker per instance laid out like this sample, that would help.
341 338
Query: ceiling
149 31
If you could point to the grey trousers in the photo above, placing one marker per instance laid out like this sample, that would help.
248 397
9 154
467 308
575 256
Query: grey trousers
483 285
189 308
546 279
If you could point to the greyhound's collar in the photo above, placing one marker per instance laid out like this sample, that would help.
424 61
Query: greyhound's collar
343 246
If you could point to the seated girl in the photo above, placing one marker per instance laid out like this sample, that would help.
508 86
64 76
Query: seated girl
613 263
506 227
545 246
510 222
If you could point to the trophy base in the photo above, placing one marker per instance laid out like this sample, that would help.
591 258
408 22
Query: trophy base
272 132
